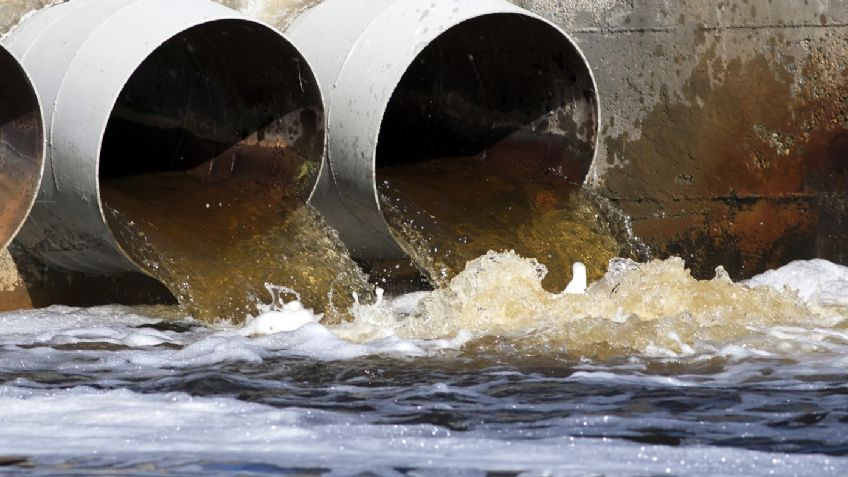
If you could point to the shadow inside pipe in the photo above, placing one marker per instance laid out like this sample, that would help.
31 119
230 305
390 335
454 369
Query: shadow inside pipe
485 145
210 154
38 285
21 146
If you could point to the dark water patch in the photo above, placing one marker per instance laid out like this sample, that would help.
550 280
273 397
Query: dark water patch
187 465
17 461
49 379
156 466
757 404
175 326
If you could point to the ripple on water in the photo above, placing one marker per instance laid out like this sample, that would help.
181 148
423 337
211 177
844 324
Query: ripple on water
190 399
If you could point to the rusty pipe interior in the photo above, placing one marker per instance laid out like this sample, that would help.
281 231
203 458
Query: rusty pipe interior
21 146
215 140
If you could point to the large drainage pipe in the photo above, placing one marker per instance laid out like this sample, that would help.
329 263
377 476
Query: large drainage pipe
21 146
479 93
167 113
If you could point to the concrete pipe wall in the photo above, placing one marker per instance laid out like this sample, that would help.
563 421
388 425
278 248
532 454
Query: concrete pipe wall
22 146
725 129
141 87
413 79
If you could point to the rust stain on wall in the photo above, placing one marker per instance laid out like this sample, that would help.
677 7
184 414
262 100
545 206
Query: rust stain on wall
750 170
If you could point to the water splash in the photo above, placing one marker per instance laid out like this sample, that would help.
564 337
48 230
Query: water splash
249 235
446 212
653 309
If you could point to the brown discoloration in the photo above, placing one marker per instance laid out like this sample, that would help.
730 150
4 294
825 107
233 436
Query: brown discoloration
744 171
485 145
21 147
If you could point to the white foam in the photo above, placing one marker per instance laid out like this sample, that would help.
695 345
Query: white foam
577 285
290 317
392 326
404 305
29 339
30 326
817 282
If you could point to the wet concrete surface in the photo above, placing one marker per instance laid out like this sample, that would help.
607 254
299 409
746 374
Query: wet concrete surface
724 125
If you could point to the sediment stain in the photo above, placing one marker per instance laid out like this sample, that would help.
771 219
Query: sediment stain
749 170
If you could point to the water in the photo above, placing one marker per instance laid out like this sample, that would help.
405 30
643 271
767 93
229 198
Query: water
512 196
752 382
243 234
649 373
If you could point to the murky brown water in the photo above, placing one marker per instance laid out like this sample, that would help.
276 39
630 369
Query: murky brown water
215 244
448 211
654 308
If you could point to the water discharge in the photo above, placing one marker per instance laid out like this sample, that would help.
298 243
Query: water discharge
208 159
450 210
249 234
498 304
496 376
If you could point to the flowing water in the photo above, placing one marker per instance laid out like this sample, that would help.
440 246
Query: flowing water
243 234
448 211
649 373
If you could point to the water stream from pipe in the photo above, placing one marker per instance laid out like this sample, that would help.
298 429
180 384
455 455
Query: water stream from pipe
251 234
448 211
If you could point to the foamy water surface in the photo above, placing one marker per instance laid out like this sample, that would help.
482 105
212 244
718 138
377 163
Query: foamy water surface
649 373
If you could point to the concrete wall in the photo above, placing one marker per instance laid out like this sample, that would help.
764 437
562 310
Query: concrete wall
725 124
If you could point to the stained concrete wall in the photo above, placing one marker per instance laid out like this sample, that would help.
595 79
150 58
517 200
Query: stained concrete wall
725 124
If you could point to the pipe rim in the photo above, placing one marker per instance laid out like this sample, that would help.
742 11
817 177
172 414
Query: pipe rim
502 9
94 46
530 15
125 81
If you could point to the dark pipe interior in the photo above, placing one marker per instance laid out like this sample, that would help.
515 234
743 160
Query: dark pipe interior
487 79
220 100
484 145
21 146
214 143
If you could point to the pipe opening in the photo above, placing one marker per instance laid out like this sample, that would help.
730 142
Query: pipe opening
222 102
212 148
21 147
485 145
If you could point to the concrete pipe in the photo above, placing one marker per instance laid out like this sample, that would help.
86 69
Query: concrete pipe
163 112
476 89
21 146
